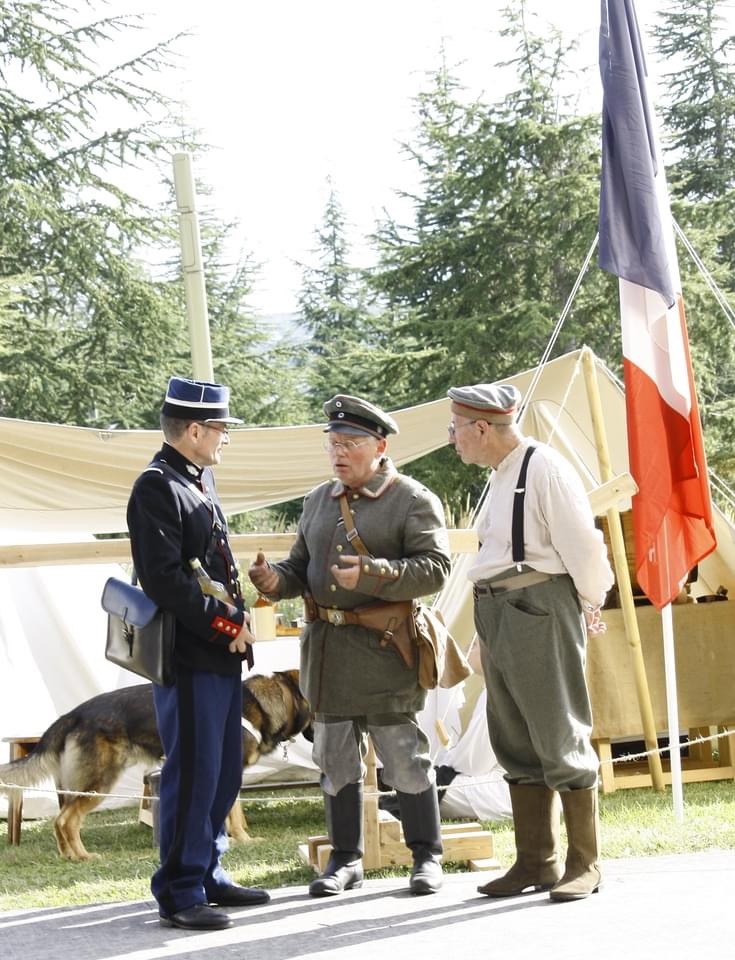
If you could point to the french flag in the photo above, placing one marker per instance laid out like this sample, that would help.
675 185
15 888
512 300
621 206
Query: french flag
672 512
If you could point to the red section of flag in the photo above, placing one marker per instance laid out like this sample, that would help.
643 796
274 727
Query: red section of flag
672 514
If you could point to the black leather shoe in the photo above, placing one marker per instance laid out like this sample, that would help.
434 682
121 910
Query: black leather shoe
426 876
198 917
237 896
338 876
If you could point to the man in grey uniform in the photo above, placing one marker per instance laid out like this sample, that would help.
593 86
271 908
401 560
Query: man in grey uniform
369 542
540 578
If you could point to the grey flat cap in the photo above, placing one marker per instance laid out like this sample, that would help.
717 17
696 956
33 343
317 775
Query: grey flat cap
496 403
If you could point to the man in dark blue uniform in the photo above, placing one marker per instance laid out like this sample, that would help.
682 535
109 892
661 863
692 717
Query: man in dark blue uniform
174 517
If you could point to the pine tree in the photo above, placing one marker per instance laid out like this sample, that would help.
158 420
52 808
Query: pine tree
91 328
333 309
699 98
507 212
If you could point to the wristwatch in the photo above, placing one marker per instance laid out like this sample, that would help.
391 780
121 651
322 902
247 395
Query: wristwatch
589 607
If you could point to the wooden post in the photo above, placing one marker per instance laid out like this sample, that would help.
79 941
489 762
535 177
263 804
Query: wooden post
371 813
192 268
620 562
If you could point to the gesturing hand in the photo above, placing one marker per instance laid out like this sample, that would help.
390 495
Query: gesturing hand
348 574
262 576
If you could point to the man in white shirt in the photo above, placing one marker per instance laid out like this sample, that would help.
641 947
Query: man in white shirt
540 579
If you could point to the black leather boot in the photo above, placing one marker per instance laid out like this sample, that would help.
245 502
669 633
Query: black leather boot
423 836
344 826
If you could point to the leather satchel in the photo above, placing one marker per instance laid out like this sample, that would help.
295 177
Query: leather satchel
140 636
441 660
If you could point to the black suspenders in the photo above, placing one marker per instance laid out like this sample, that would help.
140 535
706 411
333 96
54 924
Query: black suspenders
519 551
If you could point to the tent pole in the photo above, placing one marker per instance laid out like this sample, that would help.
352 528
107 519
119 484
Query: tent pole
622 573
192 269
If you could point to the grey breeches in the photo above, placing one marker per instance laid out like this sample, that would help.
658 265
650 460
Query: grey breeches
340 748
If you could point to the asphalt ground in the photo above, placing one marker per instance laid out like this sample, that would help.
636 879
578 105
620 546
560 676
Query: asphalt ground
675 907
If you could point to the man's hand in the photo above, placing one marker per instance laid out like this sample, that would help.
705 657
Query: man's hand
262 576
244 637
347 575
594 621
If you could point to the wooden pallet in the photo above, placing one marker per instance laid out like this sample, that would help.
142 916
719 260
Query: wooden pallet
384 842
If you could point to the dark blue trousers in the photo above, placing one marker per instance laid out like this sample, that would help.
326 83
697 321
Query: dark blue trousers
199 720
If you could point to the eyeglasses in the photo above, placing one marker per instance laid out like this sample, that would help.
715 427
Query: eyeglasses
211 426
348 446
454 427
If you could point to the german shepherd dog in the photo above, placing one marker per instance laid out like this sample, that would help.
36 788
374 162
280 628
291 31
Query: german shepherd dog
88 748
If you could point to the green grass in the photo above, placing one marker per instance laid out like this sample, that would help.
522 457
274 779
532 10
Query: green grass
633 823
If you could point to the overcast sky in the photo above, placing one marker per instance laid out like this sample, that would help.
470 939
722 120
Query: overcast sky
291 92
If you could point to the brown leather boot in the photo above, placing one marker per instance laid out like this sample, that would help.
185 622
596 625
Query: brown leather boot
582 874
536 824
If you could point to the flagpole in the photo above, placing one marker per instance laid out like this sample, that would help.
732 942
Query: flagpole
672 696
620 561
672 708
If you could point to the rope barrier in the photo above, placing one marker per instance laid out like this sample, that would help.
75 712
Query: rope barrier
627 758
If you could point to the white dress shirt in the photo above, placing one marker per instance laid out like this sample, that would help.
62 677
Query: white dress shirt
559 531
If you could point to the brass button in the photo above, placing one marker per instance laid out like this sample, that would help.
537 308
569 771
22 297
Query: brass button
333 587
339 548
366 568
355 496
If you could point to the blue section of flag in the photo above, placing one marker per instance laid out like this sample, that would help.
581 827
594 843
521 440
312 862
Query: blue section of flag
631 234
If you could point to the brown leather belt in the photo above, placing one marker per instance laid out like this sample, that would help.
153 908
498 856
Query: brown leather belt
366 616
338 618
494 588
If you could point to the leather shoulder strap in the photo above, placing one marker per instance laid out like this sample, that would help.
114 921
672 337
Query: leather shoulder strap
352 535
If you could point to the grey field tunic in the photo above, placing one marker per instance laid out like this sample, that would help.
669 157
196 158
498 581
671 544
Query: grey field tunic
344 670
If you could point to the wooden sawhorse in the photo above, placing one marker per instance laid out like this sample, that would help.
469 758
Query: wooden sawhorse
19 747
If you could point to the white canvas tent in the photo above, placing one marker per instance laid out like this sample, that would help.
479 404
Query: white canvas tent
66 483
77 479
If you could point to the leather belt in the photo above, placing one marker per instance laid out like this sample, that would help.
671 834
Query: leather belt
375 616
338 618
495 587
